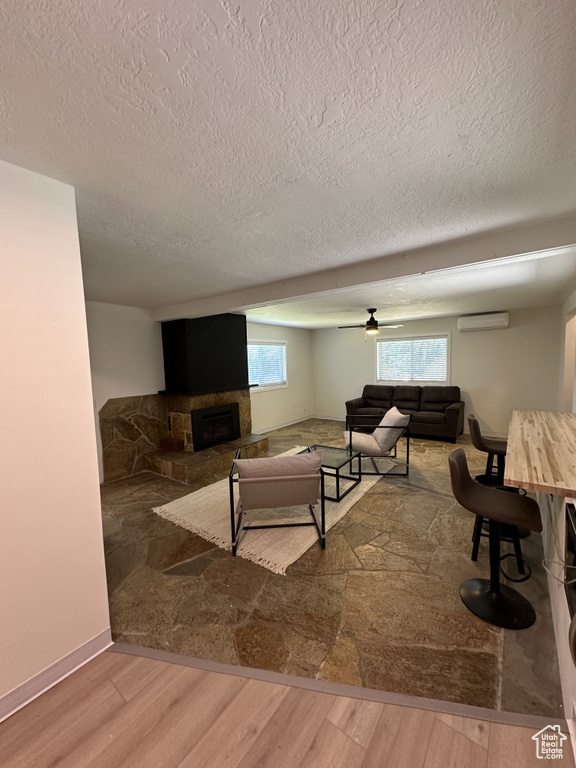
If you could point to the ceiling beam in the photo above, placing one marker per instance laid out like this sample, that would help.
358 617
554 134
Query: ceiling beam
531 238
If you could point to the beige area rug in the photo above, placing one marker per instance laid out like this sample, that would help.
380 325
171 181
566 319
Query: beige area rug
207 513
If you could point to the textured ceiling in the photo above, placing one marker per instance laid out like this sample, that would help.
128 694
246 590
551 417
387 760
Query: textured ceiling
527 281
219 145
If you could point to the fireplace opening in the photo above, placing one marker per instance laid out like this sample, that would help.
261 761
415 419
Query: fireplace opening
218 424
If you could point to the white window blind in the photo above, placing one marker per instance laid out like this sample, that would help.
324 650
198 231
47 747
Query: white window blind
416 359
267 364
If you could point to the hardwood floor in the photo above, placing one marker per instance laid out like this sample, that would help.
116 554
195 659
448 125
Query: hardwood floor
123 710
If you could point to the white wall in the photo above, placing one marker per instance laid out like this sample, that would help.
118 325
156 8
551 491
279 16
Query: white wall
126 360
275 407
125 355
497 371
567 392
52 575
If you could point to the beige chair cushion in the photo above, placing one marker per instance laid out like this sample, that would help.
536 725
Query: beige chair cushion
393 421
280 466
366 444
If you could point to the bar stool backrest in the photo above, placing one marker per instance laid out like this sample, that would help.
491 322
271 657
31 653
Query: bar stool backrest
476 434
460 478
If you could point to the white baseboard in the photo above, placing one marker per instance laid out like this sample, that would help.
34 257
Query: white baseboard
331 418
17 698
297 421
499 435
279 426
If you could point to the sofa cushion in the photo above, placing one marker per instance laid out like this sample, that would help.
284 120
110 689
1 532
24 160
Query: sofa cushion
407 398
428 417
378 395
377 412
366 444
391 428
438 398
279 466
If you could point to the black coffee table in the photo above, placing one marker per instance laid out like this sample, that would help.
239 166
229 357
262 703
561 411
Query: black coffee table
337 459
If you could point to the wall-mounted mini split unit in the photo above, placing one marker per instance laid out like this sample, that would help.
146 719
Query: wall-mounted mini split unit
488 322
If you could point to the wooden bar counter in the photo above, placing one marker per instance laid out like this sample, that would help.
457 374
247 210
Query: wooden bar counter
541 455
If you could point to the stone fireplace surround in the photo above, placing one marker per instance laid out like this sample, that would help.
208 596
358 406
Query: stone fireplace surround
132 427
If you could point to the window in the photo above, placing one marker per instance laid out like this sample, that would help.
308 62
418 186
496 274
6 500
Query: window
418 359
267 364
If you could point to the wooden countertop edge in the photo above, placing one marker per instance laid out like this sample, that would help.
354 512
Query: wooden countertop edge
538 487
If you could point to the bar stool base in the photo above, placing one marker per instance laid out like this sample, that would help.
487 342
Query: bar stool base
505 608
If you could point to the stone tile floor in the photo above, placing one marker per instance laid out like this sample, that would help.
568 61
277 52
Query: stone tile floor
378 608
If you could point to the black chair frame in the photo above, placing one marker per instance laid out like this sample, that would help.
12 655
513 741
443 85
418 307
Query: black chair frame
240 525
352 427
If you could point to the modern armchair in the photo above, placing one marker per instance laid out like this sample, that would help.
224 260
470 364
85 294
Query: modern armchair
278 482
382 443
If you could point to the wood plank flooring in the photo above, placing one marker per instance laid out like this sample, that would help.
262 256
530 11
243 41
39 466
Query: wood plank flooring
123 710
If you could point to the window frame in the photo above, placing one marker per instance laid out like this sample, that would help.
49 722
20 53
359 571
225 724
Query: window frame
414 382
269 343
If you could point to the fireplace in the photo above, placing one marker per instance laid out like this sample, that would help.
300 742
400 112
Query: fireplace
218 424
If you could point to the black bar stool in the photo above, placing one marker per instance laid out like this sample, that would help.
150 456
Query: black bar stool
494 447
510 533
493 602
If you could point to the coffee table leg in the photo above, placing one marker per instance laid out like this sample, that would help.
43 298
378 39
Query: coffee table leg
337 478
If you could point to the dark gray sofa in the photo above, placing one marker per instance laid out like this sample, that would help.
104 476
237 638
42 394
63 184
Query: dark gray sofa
435 411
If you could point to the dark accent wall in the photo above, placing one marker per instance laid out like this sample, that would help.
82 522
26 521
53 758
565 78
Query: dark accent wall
205 354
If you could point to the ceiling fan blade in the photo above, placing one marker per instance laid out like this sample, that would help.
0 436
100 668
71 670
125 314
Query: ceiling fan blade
399 325
352 326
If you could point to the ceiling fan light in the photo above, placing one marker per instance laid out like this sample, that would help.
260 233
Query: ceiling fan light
372 324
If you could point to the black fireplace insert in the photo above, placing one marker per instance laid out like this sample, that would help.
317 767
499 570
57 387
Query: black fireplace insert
218 424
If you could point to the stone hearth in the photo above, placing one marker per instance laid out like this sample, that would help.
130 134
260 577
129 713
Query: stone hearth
132 428
190 468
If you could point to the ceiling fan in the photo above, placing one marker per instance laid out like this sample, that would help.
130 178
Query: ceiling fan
371 325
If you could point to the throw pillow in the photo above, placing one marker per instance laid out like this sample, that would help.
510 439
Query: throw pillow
390 429
364 443
279 466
